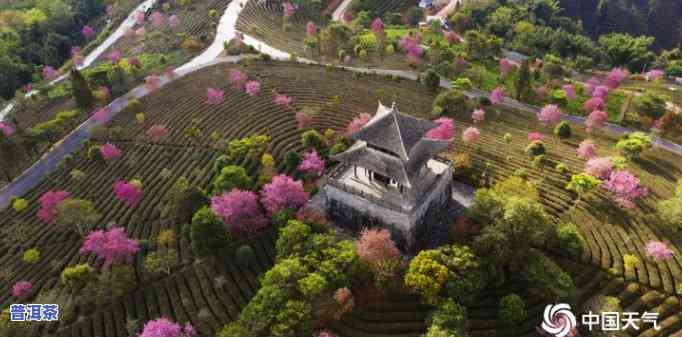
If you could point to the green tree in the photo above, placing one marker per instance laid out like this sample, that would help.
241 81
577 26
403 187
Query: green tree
633 144
512 309
563 130
77 214
208 235
624 50
670 210
650 104
431 80
231 177
581 184
81 91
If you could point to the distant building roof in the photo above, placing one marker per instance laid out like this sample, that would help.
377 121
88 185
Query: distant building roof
393 144
514 56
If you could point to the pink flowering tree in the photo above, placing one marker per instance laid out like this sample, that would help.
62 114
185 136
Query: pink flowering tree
594 103
303 120
237 78
569 91
311 29
591 84
49 73
653 75
658 251
377 250
497 96
540 93
616 77
76 56
173 21
444 131
470 135
112 246
130 193
6 129
283 100
162 327
240 211
624 188
595 120
357 123
599 167
157 133
506 66
549 114
48 205
587 149
110 152
602 92
157 19
139 18
152 82
283 193
312 164
253 88
87 32
114 56
215 96
478 116
101 115
534 136
170 73
22 290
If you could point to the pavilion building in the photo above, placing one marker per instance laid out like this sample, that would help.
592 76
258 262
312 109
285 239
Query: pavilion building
391 177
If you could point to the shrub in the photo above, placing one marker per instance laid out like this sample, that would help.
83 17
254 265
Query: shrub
19 204
312 285
77 277
450 316
670 210
245 256
512 309
650 105
431 80
536 148
337 148
561 168
546 275
77 214
208 235
563 130
312 139
451 102
161 261
569 239
633 144
231 177
31 256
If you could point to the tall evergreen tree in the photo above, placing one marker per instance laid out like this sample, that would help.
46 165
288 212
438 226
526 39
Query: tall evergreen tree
523 85
81 90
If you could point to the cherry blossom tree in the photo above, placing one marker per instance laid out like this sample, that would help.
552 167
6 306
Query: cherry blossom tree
497 96
303 120
540 93
595 120
594 103
48 204
375 247
283 100
658 250
591 84
534 136
240 211
283 193
550 114
311 29
505 66
616 77
130 193
653 75
7 130
601 91
237 79
157 133
569 91
22 290
377 26
478 116
87 32
470 135
173 21
357 123
163 327
49 73
444 131
101 115
170 73
152 82
157 19
587 149
215 96
139 18
312 164
114 56
599 167
624 188
110 152
253 88
113 246
76 56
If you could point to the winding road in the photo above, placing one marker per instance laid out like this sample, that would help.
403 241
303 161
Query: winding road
226 31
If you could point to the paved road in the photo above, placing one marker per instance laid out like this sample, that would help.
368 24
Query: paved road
129 22
449 8
73 142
